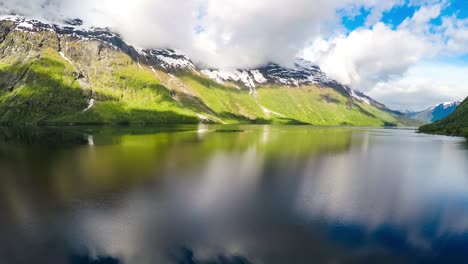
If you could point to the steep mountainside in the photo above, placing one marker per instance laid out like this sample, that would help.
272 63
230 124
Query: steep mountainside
455 124
73 74
434 113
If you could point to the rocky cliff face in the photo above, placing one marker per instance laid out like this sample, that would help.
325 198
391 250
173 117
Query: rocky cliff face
71 73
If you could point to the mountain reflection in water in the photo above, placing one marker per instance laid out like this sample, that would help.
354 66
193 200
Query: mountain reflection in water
235 194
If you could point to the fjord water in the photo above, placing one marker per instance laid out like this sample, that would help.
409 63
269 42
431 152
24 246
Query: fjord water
232 194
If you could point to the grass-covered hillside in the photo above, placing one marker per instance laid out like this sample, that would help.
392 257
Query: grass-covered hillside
455 124
50 78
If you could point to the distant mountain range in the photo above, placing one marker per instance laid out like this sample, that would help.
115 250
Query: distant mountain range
456 124
434 113
69 73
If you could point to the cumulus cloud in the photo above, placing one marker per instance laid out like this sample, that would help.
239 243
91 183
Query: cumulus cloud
244 32
249 33
389 62
368 56
425 84
456 32
228 33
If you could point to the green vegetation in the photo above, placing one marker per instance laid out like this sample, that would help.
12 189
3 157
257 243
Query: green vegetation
47 91
229 104
94 83
455 124
286 105
320 106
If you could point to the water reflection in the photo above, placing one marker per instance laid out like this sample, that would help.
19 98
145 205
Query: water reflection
240 194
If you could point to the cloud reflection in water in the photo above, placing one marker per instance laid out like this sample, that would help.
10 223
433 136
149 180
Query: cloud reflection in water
264 195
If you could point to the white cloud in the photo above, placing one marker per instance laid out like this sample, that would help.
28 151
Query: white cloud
370 55
228 33
456 34
419 22
156 23
380 7
391 63
367 56
247 33
425 84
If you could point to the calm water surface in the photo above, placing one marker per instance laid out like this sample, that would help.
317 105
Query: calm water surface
232 194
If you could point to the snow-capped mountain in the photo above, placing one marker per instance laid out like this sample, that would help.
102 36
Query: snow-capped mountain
434 113
301 73
94 51
448 105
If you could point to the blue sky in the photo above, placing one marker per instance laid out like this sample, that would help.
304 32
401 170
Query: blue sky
398 13
395 16
434 60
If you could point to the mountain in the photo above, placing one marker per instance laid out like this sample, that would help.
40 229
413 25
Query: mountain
456 124
434 113
70 73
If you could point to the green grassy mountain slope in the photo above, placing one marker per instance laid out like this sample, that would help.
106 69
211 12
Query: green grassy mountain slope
47 77
455 124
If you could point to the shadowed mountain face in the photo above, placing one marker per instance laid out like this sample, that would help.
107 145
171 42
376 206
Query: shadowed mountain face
70 73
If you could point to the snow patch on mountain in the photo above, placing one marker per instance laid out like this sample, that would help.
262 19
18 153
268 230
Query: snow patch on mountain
175 62
301 73
167 58
68 27
444 105
26 24
221 76
451 104
258 77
